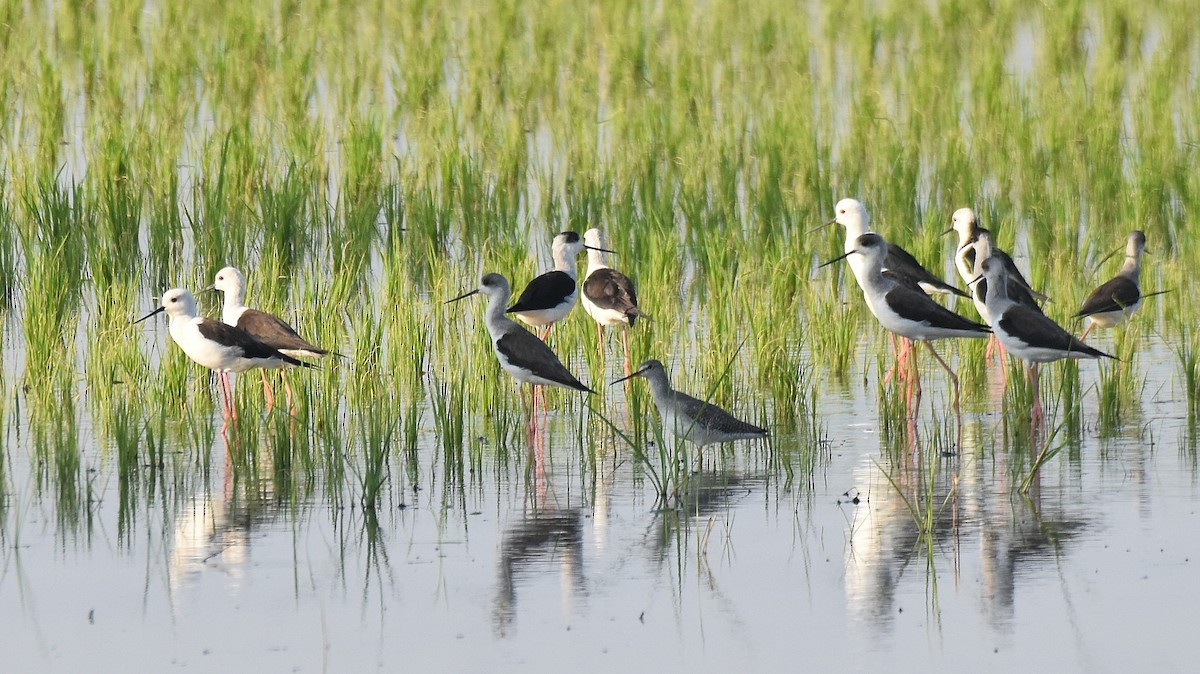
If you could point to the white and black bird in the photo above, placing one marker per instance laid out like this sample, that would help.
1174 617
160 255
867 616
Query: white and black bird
981 249
1114 302
1018 292
266 328
851 214
520 353
690 418
965 223
550 297
1026 333
608 295
900 309
215 345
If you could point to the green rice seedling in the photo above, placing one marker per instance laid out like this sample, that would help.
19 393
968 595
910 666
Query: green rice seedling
8 252
284 204
376 431
1187 354
1119 387
448 402
836 336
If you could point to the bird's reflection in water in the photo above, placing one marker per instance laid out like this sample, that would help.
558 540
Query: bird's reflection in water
212 530
705 495
971 499
543 540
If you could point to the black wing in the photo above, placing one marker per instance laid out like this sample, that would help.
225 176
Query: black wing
1115 295
910 303
610 289
903 279
274 332
1015 274
712 417
544 292
240 339
520 348
900 260
1016 292
1035 329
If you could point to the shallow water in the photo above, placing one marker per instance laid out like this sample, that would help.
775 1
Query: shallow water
577 564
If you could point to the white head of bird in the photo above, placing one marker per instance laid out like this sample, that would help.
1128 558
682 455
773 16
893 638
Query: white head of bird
851 214
965 223
593 240
177 302
231 282
566 247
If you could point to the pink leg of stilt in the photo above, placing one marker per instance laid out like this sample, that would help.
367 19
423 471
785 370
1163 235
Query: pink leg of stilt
227 405
625 341
270 395
1087 330
291 399
913 379
1003 353
895 363
1036 415
953 377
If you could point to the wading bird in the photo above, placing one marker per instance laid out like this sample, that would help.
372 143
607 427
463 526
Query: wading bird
215 345
608 295
550 297
690 418
266 328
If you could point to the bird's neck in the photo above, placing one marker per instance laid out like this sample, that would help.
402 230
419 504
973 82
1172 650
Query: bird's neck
495 318
234 299
853 231
595 261
660 388
870 278
564 263
178 322
1132 267
997 290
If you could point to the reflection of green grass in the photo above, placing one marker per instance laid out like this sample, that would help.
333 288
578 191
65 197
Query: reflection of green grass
359 180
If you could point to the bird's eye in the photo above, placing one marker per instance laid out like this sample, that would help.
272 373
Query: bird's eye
174 299
842 211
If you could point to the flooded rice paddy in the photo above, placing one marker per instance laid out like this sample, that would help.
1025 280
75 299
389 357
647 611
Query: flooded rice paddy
363 164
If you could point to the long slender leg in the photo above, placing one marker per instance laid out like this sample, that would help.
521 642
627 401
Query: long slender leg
1003 362
1037 415
232 402
600 339
895 363
227 394
1087 330
267 391
625 340
946 367
287 388
913 378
